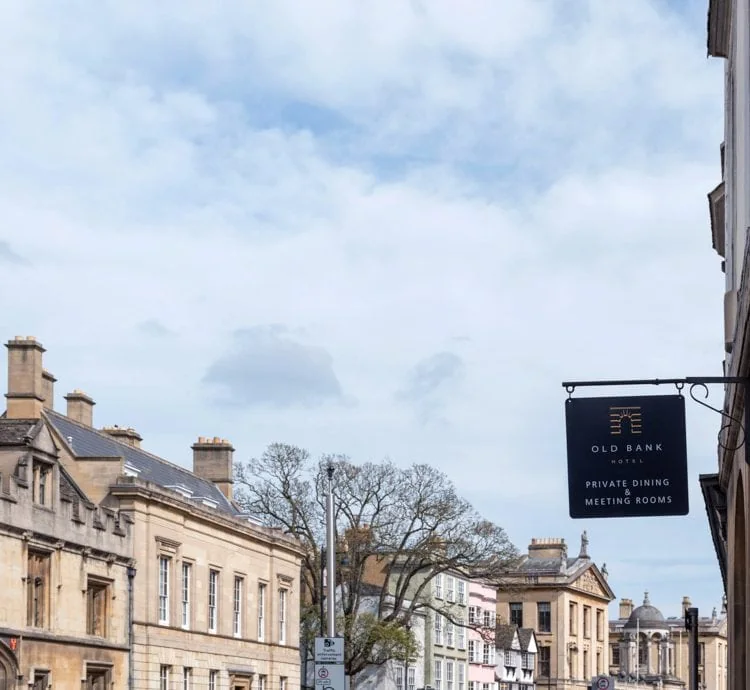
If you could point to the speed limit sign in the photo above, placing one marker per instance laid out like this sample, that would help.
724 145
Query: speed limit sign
603 683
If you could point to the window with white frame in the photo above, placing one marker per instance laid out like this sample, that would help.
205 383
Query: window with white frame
283 683
411 678
262 682
460 634
438 674
450 588
213 600
164 677
187 578
164 563
486 686
508 658
237 606
449 633
261 612
449 674
399 673
473 652
460 675
438 582
282 616
438 628
461 591
487 617
213 680
473 615
486 653
187 679
472 684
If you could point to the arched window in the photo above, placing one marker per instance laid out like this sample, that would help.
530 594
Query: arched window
7 671
643 650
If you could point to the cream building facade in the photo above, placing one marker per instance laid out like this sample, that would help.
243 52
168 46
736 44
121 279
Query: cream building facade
215 597
652 649
565 601
66 575
727 491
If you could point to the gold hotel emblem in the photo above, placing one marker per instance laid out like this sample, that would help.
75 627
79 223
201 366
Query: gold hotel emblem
620 415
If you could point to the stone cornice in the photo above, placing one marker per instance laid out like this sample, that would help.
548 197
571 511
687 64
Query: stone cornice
55 543
138 489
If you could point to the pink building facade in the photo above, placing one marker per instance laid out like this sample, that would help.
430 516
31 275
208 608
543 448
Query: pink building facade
481 651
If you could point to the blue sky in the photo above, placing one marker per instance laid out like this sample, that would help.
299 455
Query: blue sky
382 229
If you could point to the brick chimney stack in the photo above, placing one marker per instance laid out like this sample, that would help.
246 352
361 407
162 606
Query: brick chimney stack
124 435
25 394
547 547
48 388
80 407
212 460
686 604
626 608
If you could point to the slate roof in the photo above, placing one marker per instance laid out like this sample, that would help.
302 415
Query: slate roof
547 565
13 432
504 635
86 442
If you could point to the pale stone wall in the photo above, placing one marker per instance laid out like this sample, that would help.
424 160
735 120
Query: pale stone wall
166 526
561 638
79 543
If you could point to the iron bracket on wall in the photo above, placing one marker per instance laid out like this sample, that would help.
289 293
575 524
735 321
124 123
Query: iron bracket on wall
695 383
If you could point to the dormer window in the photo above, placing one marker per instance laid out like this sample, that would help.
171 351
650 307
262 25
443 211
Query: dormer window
182 490
41 487
130 470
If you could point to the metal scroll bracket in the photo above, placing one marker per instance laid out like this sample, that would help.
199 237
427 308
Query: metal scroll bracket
697 385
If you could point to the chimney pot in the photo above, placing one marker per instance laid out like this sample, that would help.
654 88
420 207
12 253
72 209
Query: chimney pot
80 407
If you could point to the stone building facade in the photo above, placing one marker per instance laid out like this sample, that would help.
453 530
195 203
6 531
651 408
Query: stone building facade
215 597
66 575
727 491
565 600
648 648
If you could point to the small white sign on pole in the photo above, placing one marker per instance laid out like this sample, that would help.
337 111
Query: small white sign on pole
329 650
329 677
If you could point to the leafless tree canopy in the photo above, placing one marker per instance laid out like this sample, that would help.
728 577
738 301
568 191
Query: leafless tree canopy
399 526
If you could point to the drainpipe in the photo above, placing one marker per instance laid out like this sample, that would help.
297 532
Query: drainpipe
131 577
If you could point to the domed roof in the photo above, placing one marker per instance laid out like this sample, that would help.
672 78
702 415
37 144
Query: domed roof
645 616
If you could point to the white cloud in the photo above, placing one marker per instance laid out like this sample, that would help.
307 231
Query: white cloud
387 179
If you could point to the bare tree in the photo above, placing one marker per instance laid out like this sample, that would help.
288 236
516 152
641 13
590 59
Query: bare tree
397 528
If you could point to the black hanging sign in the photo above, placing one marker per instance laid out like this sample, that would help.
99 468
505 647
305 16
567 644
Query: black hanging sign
627 456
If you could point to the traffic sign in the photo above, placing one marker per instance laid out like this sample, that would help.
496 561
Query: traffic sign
603 683
329 650
329 677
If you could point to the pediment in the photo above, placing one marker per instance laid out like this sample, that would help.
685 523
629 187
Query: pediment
44 441
592 582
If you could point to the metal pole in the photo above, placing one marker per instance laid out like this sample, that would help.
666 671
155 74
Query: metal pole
331 554
691 625
322 591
